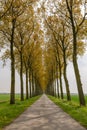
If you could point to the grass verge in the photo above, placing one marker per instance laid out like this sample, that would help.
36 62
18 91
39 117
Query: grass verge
73 109
9 112
6 97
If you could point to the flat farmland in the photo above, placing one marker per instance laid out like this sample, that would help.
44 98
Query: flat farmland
6 97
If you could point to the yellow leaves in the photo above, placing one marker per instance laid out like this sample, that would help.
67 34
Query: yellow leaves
39 10
80 47
35 37
78 2
18 3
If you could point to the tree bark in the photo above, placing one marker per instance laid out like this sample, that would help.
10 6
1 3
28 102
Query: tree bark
60 77
33 85
78 81
12 91
30 89
21 76
52 88
27 94
65 78
75 64
58 89
76 70
57 82
61 88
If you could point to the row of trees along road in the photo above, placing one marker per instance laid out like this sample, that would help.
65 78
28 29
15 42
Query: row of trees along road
40 40
66 29
18 36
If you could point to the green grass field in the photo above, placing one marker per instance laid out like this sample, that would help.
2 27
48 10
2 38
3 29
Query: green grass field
6 97
9 112
73 108
75 98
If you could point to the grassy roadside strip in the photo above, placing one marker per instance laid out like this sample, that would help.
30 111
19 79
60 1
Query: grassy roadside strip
9 112
73 109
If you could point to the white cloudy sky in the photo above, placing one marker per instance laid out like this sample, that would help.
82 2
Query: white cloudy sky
82 61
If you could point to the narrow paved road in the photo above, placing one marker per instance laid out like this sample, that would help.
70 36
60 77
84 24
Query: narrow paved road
44 115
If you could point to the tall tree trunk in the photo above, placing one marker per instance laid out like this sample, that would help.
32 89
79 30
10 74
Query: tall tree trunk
21 76
67 86
78 81
57 82
75 65
36 87
27 96
76 70
58 89
52 88
37 91
61 88
30 86
60 75
55 89
65 78
49 88
12 91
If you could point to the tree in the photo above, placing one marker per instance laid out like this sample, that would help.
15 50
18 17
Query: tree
22 38
4 7
8 29
61 37
76 19
70 11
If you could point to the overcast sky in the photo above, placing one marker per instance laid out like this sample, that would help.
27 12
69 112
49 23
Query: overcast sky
82 61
